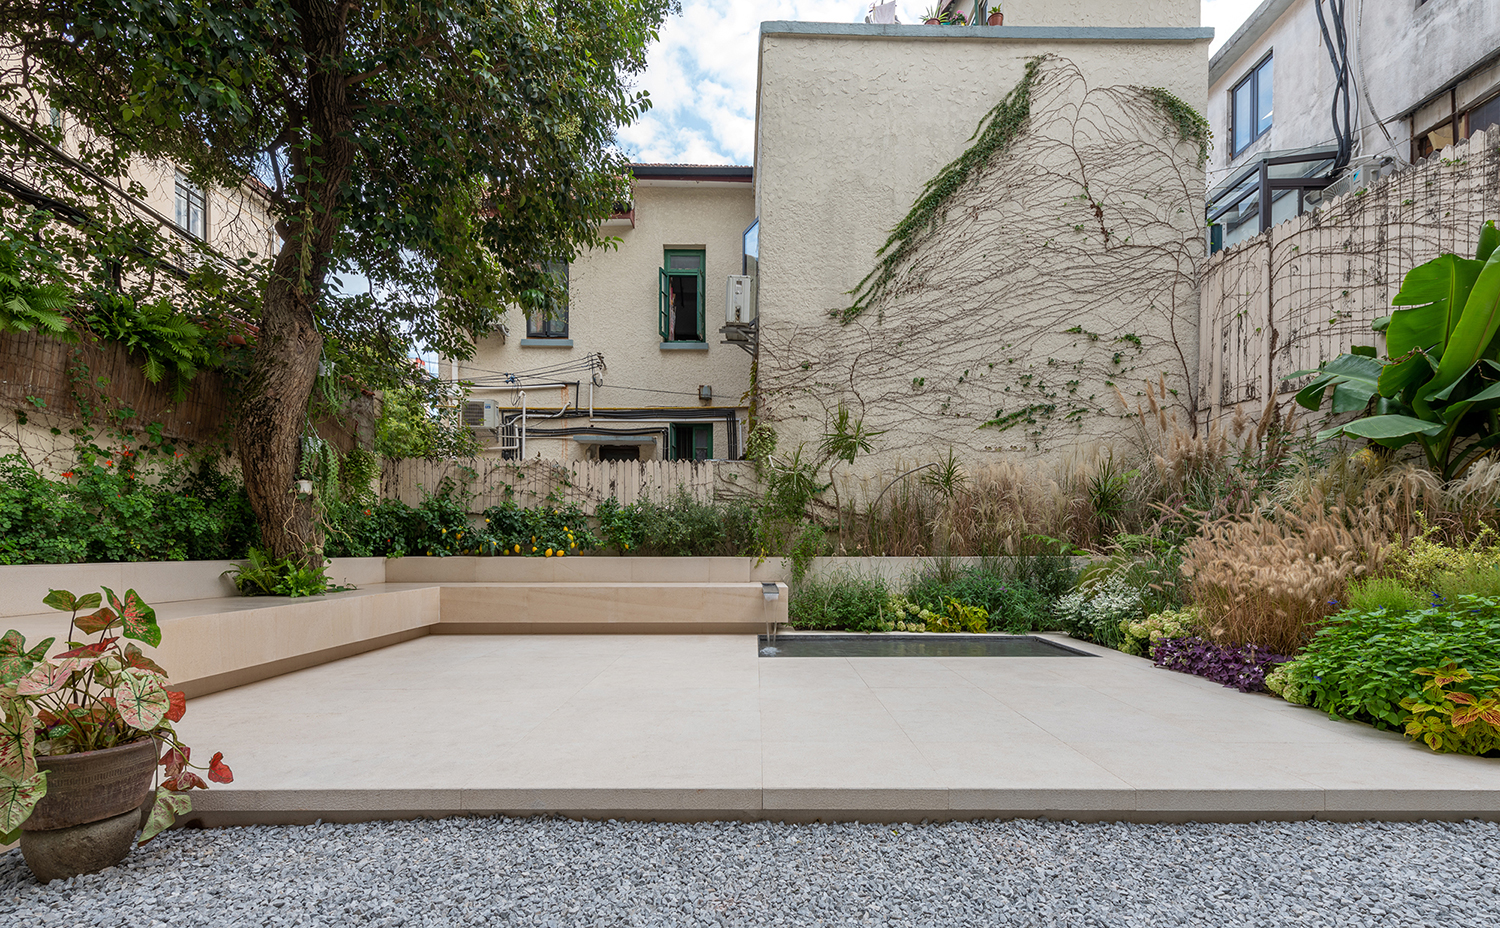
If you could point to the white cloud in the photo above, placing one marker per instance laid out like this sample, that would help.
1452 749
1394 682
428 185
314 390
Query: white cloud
701 73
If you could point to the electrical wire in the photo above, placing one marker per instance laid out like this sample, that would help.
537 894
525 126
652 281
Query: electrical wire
1359 60
1338 54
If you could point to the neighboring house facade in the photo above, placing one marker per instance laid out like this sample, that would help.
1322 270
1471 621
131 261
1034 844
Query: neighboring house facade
1046 282
1421 75
633 366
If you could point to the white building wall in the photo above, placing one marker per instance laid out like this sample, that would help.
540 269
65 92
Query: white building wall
612 295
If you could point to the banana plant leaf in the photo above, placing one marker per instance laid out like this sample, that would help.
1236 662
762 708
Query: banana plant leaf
1355 380
1386 428
1476 328
1438 290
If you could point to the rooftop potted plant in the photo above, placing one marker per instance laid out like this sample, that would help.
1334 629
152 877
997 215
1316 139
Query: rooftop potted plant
80 735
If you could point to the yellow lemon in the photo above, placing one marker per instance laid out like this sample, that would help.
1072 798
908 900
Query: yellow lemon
562 554
549 552
518 549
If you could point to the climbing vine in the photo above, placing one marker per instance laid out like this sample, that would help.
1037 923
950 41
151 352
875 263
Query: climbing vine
997 130
1191 125
1020 292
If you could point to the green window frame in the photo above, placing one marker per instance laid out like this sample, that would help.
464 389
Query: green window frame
690 442
679 263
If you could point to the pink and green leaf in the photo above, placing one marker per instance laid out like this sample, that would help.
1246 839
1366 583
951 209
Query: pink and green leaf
48 678
176 759
164 812
137 618
17 739
140 699
89 650
18 796
135 658
61 600
15 660
96 622
185 780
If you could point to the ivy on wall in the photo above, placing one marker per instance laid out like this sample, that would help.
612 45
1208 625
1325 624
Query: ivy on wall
1025 287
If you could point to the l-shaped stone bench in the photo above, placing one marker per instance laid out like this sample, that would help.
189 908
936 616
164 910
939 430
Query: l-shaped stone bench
213 639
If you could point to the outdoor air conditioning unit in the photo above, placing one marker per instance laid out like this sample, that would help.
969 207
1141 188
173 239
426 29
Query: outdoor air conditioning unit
482 414
739 301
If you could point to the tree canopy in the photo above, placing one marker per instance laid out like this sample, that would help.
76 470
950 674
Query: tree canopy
444 151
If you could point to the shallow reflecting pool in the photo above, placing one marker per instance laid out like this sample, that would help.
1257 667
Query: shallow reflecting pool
914 646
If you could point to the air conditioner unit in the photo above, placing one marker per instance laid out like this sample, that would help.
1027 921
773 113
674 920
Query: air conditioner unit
739 301
482 414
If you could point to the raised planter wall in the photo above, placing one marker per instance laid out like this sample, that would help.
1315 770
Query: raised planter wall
23 586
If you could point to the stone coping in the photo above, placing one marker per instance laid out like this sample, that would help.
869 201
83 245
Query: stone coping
697 727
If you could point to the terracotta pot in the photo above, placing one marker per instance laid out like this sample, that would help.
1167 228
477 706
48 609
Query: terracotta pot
94 785
997 19
930 22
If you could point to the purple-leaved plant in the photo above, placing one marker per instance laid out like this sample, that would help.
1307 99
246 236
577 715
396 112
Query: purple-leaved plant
1243 668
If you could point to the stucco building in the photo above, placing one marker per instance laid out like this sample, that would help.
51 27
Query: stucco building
1062 266
632 366
1327 103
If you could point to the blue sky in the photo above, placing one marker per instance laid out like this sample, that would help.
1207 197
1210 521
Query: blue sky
701 75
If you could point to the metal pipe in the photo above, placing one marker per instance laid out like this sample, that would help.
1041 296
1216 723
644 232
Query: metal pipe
523 424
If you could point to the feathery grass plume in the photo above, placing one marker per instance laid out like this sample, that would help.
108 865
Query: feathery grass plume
1271 579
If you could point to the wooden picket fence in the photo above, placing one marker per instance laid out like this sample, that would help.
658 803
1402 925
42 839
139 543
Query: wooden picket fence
585 483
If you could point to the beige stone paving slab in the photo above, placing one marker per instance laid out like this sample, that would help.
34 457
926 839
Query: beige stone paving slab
699 722
1024 761
639 764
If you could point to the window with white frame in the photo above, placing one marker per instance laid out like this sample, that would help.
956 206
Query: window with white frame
192 214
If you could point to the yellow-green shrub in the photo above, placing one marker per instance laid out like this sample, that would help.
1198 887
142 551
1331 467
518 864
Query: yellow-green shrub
1141 635
1421 562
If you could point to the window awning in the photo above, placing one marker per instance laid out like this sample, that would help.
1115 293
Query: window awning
608 439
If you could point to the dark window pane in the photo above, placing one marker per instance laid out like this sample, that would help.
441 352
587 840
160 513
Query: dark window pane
1244 116
1485 115
683 305
1263 97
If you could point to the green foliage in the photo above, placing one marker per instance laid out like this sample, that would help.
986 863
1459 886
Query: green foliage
1000 588
843 600
1138 636
997 131
1439 385
1191 125
958 617
413 424
168 343
1419 562
545 531
105 510
90 697
1386 593
1098 608
264 576
1456 720
27 305
1363 664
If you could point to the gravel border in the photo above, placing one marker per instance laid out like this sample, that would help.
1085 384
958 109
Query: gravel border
541 871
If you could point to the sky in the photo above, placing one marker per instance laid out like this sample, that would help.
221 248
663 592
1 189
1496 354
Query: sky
701 74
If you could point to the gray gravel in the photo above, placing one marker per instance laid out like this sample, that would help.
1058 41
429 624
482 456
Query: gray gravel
560 872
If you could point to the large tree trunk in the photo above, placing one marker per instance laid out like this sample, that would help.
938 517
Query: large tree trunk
273 415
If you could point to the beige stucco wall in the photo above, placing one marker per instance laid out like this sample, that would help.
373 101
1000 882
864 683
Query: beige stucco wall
612 294
850 128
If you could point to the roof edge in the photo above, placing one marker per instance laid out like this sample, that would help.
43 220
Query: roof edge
1001 33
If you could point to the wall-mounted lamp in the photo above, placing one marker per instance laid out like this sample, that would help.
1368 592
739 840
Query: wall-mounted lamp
771 591
705 391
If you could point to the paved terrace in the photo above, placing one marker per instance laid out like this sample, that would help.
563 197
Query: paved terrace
700 727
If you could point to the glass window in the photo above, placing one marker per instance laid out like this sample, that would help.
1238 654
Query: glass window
691 443
553 323
1250 107
680 297
1484 115
190 208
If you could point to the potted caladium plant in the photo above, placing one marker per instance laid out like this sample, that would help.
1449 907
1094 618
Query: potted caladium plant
82 734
